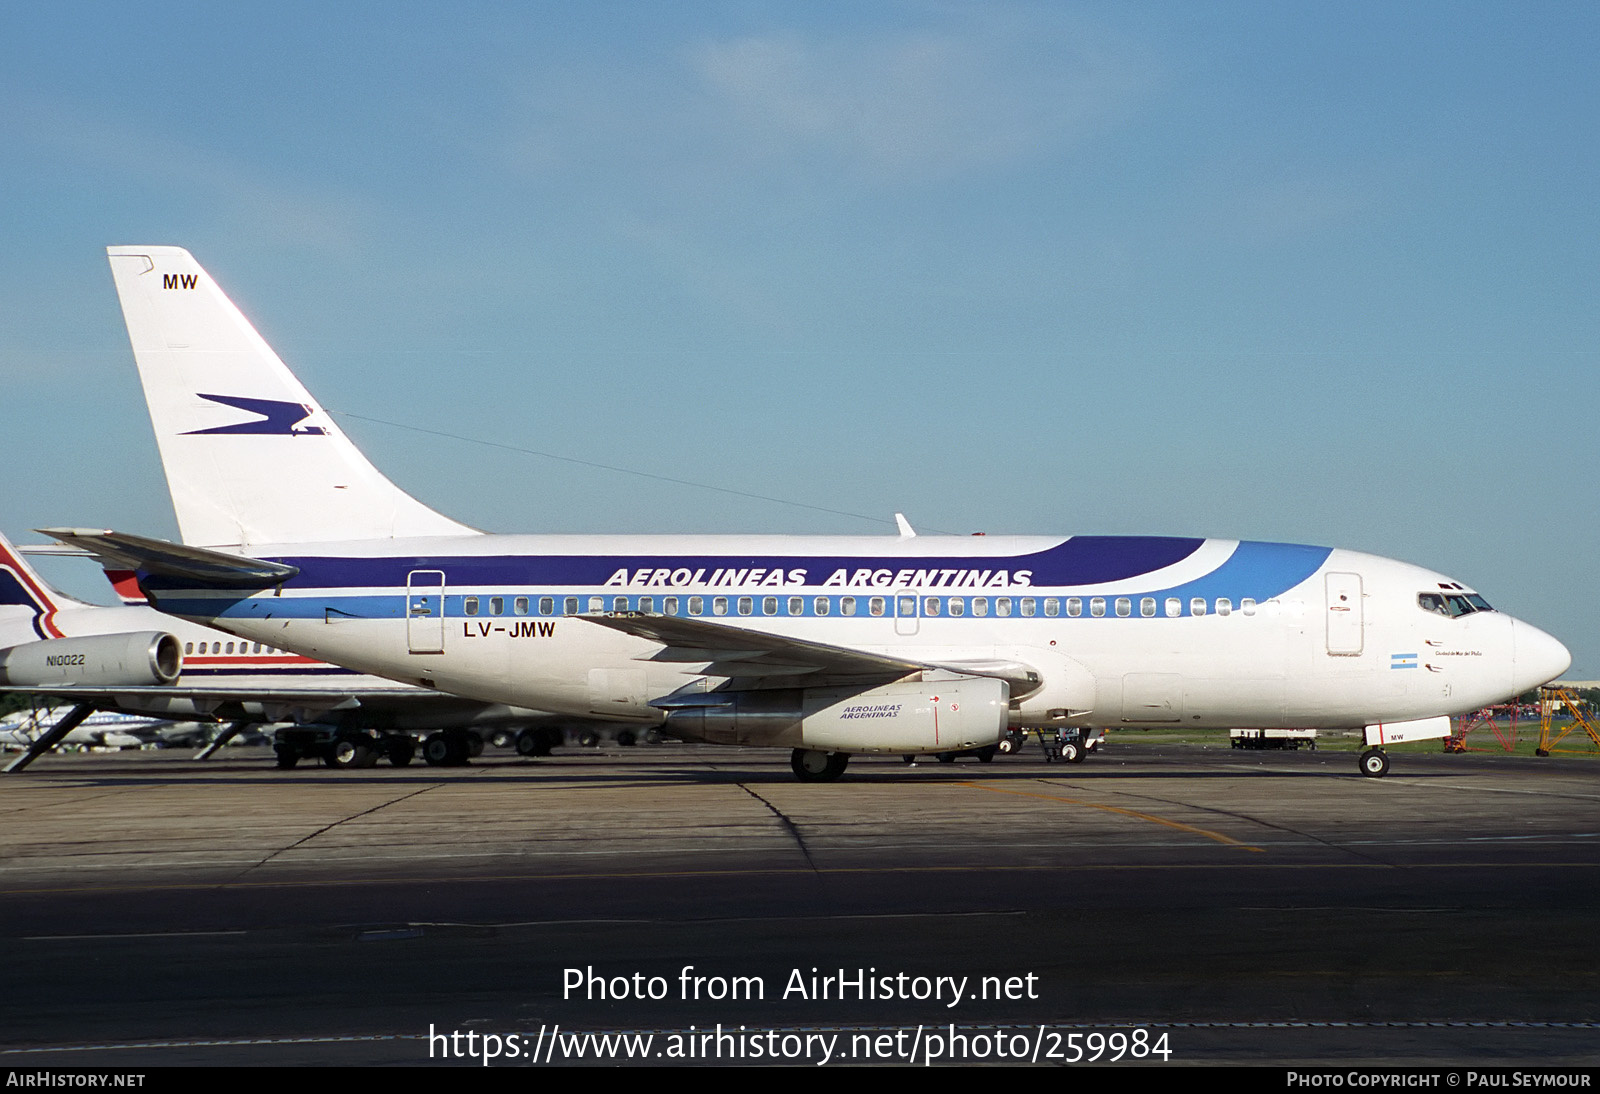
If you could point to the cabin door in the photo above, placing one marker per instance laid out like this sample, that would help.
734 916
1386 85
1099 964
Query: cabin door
1344 615
425 611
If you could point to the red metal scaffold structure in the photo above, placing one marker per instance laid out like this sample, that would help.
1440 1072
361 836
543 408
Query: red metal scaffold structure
1500 719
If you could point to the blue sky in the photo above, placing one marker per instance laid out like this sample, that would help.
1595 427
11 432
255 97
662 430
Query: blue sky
1316 273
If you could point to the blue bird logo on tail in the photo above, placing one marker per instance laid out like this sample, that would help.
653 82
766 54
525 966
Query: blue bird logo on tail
278 418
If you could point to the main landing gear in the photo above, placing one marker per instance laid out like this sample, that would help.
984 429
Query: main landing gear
815 766
1374 763
451 747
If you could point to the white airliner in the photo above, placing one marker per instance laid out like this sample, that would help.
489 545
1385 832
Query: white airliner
22 729
134 660
828 645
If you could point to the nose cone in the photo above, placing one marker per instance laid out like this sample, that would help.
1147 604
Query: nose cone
1536 657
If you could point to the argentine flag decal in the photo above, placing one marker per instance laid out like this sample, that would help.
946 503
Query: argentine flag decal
1402 660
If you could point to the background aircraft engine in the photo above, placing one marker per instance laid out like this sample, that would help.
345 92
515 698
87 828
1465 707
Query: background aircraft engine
930 716
139 659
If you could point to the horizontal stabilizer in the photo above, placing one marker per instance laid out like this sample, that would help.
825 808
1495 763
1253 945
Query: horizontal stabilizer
119 550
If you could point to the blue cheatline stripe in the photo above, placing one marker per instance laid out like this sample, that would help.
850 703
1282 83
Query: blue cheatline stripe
1081 560
1254 571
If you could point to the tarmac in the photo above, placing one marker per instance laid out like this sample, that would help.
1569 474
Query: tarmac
1160 904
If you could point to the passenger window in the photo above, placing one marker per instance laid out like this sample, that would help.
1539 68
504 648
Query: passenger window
797 605
1074 606
647 603
697 605
719 605
547 605
1247 606
1197 606
1147 607
1027 605
1052 606
980 605
820 605
188 647
1224 606
1002 605
876 605
847 605
230 647
958 606
930 605
569 606
1097 606
908 607
497 605
746 605
669 605
769 605
597 603
520 605
470 605
1174 607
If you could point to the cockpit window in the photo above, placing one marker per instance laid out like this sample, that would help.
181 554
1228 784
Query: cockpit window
1453 605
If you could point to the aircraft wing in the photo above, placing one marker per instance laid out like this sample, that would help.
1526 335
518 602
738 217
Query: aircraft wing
738 652
274 704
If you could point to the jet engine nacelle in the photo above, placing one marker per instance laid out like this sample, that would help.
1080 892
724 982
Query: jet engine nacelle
927 716
139 659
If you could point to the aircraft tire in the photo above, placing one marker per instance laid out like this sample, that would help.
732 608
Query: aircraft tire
528 743
589 738
812 765
473 744
288 755
1071 752
1374 763
1083 754
436 751
352 752
401 751
946 757
1007 745
625 738
986 753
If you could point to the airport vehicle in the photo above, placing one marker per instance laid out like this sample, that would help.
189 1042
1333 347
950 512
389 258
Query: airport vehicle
827 645
131 659
1258 739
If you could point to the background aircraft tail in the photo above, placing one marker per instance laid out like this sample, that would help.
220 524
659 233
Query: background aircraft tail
27 605
249 455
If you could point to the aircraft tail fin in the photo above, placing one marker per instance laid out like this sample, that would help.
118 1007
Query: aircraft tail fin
28 606
250 456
